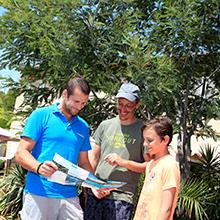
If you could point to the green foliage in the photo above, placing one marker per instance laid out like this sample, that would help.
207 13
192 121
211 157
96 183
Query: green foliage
208 166
207 169
7 102
11 190
193 198
97 109
187 32
169 48
199 194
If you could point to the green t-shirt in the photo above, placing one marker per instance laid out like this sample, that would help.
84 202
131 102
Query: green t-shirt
126 141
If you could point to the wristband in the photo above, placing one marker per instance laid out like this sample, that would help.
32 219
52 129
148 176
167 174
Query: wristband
38 168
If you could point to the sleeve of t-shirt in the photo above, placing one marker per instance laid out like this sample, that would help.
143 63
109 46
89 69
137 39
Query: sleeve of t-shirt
98 135
144 149
86 145
33 127
170 175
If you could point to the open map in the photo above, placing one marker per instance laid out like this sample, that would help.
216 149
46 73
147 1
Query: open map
71 174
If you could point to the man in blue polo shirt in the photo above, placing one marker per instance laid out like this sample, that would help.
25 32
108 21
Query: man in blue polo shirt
50 130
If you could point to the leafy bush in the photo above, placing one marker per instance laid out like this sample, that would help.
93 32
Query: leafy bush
11 190
193 198
199 195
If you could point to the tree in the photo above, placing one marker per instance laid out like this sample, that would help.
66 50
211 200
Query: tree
169 48
188 33
50 42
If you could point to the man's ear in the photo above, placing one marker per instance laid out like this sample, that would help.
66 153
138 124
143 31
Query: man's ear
166 139
138 105
64 94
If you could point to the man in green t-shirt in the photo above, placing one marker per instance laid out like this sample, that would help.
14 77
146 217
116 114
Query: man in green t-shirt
118 155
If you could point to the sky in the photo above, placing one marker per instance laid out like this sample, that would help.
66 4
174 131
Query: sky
10 73
6 72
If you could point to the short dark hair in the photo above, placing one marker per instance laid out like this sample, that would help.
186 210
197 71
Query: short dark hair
162 125
77 82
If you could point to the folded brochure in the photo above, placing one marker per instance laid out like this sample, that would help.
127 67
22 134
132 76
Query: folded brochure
71 174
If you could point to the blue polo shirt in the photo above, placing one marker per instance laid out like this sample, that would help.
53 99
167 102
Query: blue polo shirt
52 132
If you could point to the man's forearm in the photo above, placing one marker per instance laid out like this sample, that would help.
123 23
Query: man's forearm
26 160
87 166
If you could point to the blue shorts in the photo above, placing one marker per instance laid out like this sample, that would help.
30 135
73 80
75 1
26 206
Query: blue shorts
107 209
